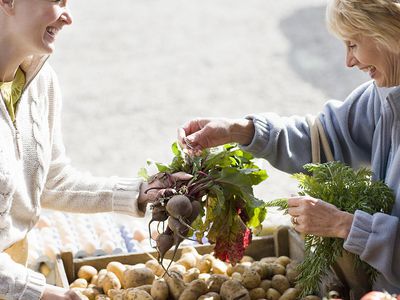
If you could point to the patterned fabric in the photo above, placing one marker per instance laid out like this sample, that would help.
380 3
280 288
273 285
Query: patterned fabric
35 172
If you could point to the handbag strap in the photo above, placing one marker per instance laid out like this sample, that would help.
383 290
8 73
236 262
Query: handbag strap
318 139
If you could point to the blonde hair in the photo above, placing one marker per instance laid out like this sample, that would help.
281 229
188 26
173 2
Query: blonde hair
377 19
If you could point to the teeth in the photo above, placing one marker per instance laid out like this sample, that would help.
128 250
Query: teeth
52 30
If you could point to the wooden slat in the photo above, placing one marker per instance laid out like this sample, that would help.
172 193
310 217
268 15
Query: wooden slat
260 247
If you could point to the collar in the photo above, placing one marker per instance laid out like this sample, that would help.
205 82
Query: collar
32 65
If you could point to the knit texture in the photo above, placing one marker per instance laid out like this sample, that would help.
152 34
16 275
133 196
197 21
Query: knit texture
35 173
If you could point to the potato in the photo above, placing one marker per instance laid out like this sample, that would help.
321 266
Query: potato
232 289
218 267
138 266
191 250
137 277
136 294
155 266
265 284
178 268
159 289
311 297
251 279
257 293
210 296
283 260
79 283
237 276
116 294
269 259
175 283
272 294
204 263
262 269
117 268
290 294
94 279
188 260
194 290
102 297
90 293
291 275
100 277
191 275
110 281
87 272
277 269
247 258
240 268
215 282
146 287
280 283
204 276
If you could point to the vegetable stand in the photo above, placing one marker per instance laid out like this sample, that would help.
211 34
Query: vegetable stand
284 242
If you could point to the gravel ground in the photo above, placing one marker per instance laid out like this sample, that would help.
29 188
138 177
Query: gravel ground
133 72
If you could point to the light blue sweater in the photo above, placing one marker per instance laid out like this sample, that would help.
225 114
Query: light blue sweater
364 130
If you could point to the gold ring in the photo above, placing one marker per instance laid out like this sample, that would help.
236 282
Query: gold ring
294 221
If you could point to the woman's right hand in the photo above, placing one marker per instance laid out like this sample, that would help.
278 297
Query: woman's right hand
56 293
199 134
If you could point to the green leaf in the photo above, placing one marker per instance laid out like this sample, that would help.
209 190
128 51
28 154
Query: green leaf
143 173
348 190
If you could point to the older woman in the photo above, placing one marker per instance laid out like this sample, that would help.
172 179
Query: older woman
363 130
34 170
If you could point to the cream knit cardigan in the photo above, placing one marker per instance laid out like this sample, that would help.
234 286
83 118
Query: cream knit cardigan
35 173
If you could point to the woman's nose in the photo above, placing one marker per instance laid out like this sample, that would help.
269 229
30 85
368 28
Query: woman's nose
67 16
351 61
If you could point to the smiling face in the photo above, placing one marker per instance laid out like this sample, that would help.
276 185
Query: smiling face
369 56
36 24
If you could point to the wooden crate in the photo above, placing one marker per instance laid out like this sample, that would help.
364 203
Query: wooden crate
284 242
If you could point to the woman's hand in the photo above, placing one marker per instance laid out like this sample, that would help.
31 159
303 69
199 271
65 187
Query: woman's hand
317 217
199 134
56 293
158 185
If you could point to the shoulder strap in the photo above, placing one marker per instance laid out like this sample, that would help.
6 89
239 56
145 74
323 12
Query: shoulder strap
318 138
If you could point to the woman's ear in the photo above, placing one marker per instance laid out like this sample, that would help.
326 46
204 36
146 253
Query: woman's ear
7 6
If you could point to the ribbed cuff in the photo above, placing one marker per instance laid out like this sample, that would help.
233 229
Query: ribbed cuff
360 232
36 284
126 193
261 138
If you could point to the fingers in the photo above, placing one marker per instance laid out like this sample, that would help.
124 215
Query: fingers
182 176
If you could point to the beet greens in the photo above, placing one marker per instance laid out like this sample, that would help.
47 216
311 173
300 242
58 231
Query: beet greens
217 203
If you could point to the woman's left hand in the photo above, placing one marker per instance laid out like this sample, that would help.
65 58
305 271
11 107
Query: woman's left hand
317 217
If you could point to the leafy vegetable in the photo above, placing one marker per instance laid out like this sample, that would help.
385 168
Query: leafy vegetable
348 190
223 180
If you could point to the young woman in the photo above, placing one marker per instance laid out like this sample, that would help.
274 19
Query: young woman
363 130
34 171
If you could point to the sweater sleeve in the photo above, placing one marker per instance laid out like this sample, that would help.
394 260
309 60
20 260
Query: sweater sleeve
286 142
67 189
375 238
18 282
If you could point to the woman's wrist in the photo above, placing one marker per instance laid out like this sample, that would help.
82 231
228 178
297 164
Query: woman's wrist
346 220
242 131
142 198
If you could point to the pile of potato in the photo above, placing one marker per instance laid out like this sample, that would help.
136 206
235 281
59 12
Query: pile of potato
192 277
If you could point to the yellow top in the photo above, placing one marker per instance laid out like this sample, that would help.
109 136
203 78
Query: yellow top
12 91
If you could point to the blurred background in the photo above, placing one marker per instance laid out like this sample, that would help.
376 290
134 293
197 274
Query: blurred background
134 71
